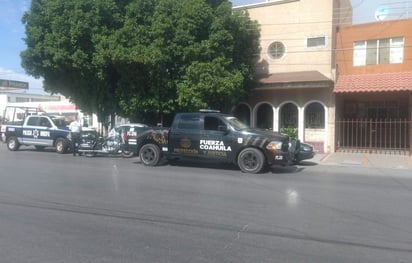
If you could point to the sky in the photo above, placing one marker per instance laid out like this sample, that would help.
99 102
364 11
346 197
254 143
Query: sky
12 31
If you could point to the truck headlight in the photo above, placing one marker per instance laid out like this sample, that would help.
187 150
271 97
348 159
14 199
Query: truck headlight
274 145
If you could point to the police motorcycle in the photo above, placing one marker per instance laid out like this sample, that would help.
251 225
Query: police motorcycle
92 144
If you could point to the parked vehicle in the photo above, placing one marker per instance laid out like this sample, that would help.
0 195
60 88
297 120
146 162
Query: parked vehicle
216 137
306 152
115 142
128 131
93 144
24 127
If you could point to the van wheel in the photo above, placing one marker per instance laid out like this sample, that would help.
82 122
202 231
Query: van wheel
13 144
61 145
149 154
251 160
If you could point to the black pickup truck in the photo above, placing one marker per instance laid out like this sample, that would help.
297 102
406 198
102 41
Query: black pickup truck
217 137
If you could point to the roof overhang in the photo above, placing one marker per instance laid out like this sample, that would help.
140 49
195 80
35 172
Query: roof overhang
294 80
379 82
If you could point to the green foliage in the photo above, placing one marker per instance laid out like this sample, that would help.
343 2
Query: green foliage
142 57
292 132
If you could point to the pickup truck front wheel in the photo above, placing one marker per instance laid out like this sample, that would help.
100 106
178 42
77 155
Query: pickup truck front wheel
251 160
149 154
61 145
13 143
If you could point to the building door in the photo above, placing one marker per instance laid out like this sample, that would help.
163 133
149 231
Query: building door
315 126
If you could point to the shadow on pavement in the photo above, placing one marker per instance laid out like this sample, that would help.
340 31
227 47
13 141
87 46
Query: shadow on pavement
231 167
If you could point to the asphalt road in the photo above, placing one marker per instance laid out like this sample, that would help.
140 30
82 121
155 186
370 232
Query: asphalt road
59 208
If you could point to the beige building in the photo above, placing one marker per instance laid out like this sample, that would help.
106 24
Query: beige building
296 70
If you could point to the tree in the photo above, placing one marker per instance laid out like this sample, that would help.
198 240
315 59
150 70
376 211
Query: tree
141 57
65 41
192 55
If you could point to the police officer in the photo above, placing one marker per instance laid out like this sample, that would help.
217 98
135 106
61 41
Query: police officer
75 129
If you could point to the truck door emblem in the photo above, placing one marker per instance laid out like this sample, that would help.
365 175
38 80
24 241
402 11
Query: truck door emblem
35 134
185 143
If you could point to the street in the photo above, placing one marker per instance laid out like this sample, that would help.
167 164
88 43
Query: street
60 208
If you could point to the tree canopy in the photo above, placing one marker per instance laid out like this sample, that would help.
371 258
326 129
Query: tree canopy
141 58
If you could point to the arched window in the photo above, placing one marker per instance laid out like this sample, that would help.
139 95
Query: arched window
264 117
315 116
289 116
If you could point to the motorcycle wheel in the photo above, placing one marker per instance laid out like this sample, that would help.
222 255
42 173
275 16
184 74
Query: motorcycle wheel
90 154
127 154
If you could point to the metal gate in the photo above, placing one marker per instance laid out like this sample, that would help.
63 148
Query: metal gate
374 135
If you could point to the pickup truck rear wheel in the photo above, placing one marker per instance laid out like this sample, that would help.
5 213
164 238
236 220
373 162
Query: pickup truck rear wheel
61 145
149 154
13 144
251 160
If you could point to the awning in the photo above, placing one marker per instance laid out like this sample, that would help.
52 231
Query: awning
380 82
301 79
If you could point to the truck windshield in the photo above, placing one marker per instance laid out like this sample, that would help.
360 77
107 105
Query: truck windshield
236 123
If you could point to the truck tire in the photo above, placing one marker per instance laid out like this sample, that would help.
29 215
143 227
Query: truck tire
149 154
251 160
13 144
61 145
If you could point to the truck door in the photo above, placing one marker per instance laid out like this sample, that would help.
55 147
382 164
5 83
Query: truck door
37 131
216 141
30 130
44 132
184 135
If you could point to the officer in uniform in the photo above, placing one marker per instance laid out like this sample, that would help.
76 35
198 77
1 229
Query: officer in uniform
75 129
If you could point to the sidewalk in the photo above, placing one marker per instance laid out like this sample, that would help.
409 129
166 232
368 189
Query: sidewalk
381 160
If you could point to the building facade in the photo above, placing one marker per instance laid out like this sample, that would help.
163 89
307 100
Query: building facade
374 86
296 70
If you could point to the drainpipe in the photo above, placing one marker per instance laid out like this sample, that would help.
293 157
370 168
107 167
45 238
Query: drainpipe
410 123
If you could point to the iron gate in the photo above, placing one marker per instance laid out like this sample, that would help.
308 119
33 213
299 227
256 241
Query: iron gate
374 135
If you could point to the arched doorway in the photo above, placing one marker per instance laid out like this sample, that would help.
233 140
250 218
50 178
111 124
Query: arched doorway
264 116
242 112
315 125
